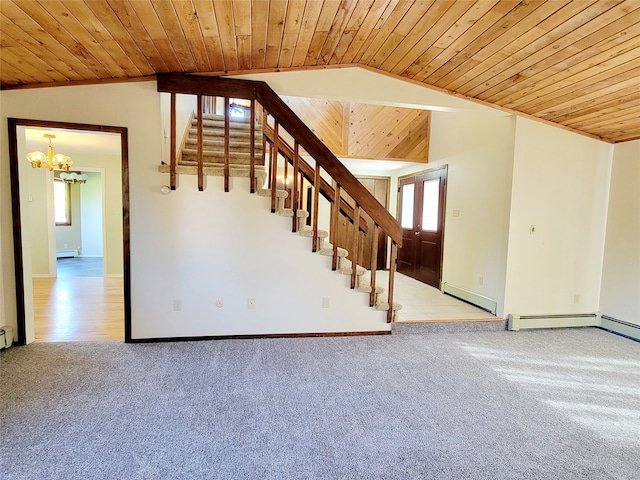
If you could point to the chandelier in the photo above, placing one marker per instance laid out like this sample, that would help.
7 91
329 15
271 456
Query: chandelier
74 177
49 160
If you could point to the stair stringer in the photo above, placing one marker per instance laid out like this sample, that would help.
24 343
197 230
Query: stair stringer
229 247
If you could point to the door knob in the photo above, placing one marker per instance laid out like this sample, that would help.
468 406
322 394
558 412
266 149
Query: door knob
417 233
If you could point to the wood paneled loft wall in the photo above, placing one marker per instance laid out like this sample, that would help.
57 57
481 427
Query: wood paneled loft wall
364 131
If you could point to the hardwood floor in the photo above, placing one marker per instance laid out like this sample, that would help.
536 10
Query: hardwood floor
78 309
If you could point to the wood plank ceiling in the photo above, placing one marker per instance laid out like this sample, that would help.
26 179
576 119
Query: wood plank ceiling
575 63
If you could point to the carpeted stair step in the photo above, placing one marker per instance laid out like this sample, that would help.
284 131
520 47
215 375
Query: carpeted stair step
427 327
239 158
216 143
327 249
346 268
264 192
285 212
383 305
235 135
212 170
367 289
216 121
307 231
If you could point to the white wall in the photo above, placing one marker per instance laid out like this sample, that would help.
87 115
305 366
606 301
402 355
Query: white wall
71 235
131 105
91 213
110 167
213 246
36 188
478 150
620 294
560 185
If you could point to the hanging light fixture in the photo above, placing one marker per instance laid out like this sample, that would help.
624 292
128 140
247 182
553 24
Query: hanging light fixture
49 160
74 177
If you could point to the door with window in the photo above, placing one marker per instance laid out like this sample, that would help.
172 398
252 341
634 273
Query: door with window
421 207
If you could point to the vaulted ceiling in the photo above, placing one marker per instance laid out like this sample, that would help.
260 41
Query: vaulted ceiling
574 63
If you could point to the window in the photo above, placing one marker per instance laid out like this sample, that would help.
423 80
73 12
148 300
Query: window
406 219
430 198
62 202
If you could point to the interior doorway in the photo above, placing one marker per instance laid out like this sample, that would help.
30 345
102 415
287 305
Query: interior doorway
421 201
73 307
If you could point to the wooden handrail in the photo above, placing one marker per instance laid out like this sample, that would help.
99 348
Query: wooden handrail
260 91
326 190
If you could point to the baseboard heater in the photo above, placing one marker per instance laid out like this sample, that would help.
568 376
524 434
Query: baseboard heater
6 337
66 253
517 322
620 327
480 301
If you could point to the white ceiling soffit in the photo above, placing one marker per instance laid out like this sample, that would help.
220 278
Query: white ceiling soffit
69 142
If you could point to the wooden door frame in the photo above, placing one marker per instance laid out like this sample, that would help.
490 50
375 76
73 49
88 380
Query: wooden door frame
444 204
13 124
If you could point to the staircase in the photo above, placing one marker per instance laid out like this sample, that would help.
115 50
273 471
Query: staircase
213 133
225 150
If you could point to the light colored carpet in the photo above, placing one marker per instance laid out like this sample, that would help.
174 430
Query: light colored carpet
561 404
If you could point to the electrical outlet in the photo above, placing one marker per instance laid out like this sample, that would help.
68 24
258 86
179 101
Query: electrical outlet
456 212
481 280
576 298
326 302
251 303
219 303
177 305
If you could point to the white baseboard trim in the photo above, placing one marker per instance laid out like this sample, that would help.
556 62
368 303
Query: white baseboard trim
517 322
620 327
485 303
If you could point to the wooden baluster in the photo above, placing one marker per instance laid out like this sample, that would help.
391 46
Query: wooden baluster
274 166
172 148
392 270
374 264
285 173
226 144
200 148
252 161
355 244
334 226
316 202
264 140
300 204
294 194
